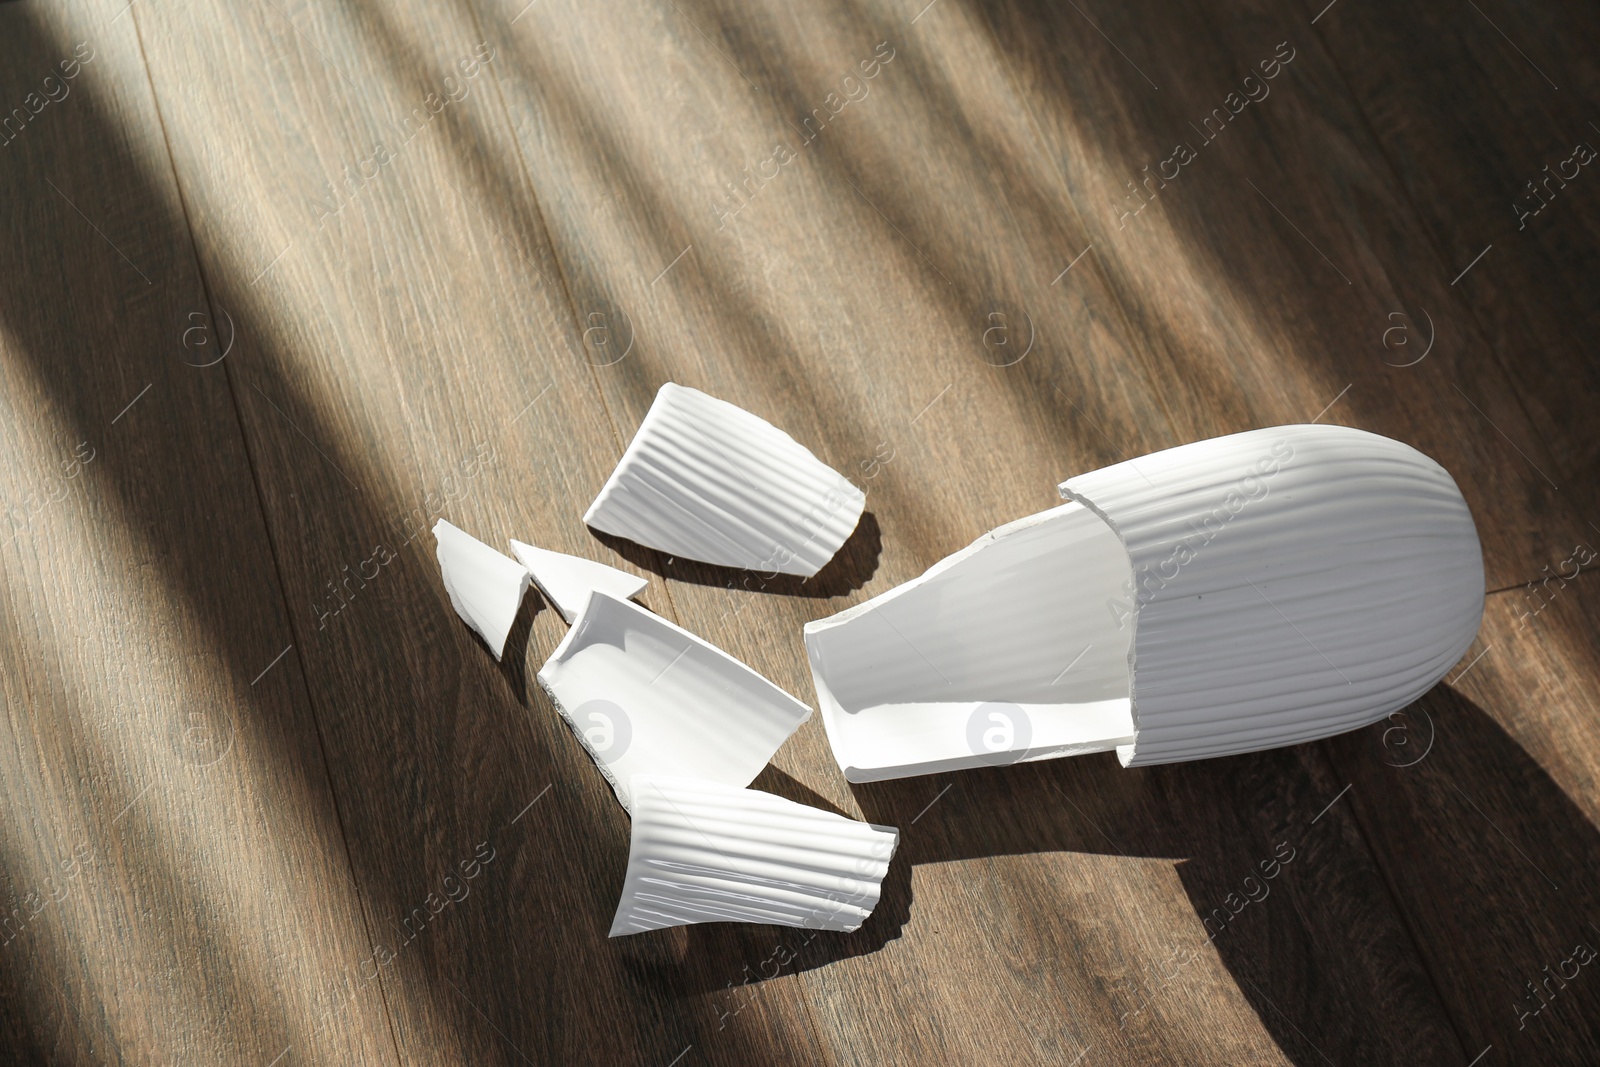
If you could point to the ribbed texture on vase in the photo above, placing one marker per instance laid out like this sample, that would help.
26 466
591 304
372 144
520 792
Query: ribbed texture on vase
1288 584
709 481
647 697
703 852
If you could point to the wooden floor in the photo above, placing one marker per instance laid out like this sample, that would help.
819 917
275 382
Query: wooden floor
286 282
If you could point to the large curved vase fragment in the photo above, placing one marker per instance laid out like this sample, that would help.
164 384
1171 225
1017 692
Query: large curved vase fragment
1242 593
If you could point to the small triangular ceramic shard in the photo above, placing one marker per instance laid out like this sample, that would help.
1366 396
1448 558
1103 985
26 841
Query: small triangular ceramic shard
647 697
708 481
1242 593
485 586
568 580
704 852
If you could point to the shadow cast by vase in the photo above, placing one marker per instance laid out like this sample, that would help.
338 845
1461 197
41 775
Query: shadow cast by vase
849 569
513 661
1493 866
1293 904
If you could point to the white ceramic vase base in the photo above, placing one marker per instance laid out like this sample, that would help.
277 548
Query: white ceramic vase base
485 587
706 480
647 697
1247 592
568 580
1287 584
704 852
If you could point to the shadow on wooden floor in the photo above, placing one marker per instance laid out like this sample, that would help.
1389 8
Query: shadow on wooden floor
1483 920
1495 871
850 568
1490 866
1490 881
419 788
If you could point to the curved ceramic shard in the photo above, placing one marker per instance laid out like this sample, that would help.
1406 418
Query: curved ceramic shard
568 580
1287 584
709 481
485 587
1231 595
998 653
703 852
647 697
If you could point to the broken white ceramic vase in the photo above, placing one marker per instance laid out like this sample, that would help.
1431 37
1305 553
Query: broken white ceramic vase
709 481
647 697
568 580
485 586
704 852
1242 593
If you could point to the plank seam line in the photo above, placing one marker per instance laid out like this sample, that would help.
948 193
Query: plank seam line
1378 857
1433 241
1400 913
266 527
1535 580
1139 340
566 287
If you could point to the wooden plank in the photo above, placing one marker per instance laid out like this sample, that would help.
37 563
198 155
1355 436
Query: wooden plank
1283 266
845 293
1482 802
172 866
407 352
1488 795
861 298
1478 111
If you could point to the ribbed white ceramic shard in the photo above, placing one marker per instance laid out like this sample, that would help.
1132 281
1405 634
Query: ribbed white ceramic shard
568 580
704 852
998 653
485 586
1287 584
1236 594
647 697
709 481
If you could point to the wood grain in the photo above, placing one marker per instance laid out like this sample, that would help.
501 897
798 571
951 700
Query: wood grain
1481 801
175 881
1468 170
1275 264
911 205
406 352
1498 817
453 250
